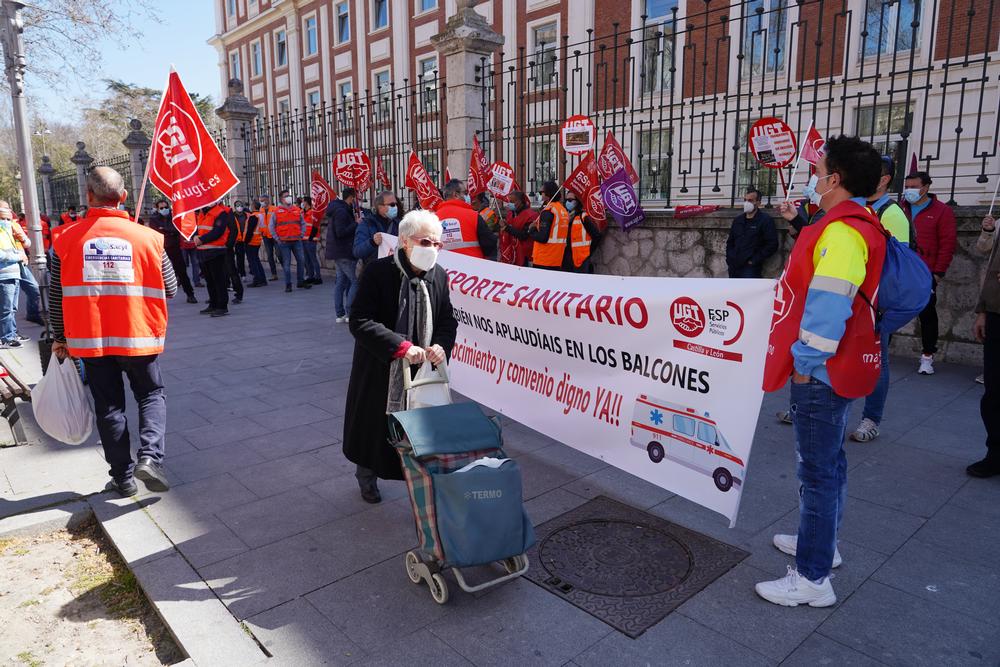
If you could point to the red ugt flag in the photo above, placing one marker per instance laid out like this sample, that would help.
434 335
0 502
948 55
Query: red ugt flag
420 182
814 147
613 158
479 170
381 174
184 162
584 183
320 191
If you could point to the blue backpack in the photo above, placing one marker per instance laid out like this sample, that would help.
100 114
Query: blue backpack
904 288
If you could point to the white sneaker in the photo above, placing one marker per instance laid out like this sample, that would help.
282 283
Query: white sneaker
794 589
788 543
926 365
342 319
866 431
981 378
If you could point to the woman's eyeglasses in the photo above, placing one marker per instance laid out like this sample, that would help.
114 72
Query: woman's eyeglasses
428 242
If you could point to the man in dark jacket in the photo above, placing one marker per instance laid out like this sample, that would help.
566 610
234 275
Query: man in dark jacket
382 219
163 223
341 225
752 239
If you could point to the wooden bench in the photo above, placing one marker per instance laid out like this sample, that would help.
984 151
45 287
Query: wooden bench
12 388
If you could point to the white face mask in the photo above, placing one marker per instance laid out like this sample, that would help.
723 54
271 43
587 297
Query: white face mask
911 195
239 209
288 201
423 259
748 207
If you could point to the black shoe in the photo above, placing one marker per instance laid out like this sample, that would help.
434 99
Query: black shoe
220 313
371 495
10 343
126 488
207 311
37 320
985 468
274 276
199 284
151 474
21 338
315 281
192 298
238 300
288 288
303 285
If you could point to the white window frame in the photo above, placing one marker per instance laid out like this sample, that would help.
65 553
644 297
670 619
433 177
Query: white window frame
309 94
535 184
888 49
256 59
383 107
664 80
419 10
532 27
306 53
643 164
428 92
345 103
336 19
763 46
231 8
882 140
279 62
374 15
235 65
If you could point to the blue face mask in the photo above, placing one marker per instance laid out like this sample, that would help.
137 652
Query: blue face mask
510 206
571 205
911 195
392 212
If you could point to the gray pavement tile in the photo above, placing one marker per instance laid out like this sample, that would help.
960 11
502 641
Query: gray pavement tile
617 484
900 629
963 532
876 527
290 441
381 602
260 579
731 607
944 578
982 495
177 445
223 432
345 498
552 504
820 650
333 456
287 417
571 460
271 519
920 463
963 440
332 429
676 640
202 539
211 462
273 477
891 486
519 439
362 539
295 633
136 536
204 496
226 410
520 623
421 649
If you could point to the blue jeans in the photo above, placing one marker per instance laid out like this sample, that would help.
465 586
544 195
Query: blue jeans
256 268
312 259
30 287
346 285
287 249
819 417
269 245
875 401
8 308
191 258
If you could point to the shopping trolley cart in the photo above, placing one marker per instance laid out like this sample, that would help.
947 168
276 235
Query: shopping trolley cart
465 493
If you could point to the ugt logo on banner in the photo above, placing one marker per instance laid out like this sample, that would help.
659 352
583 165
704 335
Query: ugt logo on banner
353 168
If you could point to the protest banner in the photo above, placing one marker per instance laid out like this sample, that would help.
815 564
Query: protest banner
578 135
479 169
320 191
381 174
812 151
353 168
418 180
613 158
585 184
184 162
772 144
501 181
690 211
621 201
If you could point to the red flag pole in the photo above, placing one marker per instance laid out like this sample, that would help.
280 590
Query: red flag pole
781 173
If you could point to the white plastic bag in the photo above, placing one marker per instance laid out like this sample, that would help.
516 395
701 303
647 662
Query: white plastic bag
62 407
429 395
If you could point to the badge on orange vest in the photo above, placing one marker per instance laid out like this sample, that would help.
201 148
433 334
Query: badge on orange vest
108 260
451 231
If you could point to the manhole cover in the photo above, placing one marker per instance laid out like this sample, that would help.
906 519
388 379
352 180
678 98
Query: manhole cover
624 566
615 558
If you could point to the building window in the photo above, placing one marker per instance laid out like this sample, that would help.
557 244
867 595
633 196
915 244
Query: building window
380 14
256 59
234 65
312 98
543 163
658 46
654 164
432 164
345 97
764 36
383 95
283 107
343 22
280 49
231 8
427 76
312 41
543 46
887 27
883 127
313 110
426 5
749 172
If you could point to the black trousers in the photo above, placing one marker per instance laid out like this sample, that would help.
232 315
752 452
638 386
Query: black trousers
989 407
241 259
929 323
104 377
234 275
215 270
180 270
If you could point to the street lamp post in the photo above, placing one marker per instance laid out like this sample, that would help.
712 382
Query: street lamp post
11 30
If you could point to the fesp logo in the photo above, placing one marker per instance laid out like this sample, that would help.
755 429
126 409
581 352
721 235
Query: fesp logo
687 316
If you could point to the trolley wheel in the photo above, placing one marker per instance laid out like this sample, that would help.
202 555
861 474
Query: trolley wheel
439 588
412 560
513 564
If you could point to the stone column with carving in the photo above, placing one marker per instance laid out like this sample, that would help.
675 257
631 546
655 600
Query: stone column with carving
45 171
81 158
467 38
137 142
238 113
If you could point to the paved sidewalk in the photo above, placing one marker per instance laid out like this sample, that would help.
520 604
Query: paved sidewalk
266 510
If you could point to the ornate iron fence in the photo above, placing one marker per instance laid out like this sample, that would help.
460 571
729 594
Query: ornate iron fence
386 123
680 92
64 190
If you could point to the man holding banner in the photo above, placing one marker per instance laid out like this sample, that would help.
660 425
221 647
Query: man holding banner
822 337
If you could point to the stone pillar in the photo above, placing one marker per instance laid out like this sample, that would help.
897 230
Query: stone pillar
137 142
81 158
45 171
467 38
237 113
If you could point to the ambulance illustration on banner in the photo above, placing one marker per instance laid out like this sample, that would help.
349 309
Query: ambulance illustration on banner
685 436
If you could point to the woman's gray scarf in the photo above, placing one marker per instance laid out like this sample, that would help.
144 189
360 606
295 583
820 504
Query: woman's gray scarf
412 292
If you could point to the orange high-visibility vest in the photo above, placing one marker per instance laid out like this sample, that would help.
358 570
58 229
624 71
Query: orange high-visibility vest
551 252
205 223
241 228
288 223
460 228
66 219
579 241
265 216
114 301
314 220
257 231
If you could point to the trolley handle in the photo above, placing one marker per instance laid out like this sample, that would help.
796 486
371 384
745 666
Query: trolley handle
409 383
